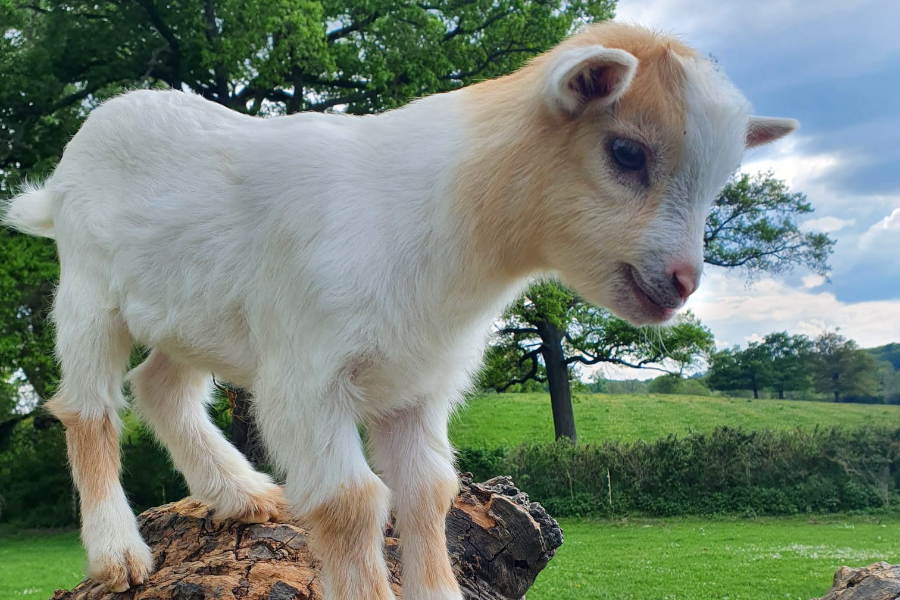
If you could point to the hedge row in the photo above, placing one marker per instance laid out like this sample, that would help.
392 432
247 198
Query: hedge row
729 471
36 489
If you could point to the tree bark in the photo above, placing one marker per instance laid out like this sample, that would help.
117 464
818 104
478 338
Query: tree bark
557 380
244 433
498 543
880 581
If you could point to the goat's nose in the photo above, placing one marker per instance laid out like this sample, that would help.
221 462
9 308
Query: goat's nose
685 278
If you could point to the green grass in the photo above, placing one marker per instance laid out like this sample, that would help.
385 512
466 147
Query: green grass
696 559
690 559
35 564
513 418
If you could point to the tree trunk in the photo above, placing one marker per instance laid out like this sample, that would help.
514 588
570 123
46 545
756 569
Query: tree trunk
244 433
880 581
835 388
780 393
557 380
497 540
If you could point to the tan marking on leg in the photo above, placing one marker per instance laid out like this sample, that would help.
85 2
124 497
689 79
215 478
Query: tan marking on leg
347 534
423 535
93 449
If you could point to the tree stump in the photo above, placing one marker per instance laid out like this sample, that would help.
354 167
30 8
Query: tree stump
498 543
880 581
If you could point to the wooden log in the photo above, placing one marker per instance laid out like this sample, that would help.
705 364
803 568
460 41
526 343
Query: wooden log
879 581
498 542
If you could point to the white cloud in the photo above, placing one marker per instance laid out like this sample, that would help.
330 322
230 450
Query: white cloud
890 223
826 224
785 38
799 170
736 312
813 281
848 215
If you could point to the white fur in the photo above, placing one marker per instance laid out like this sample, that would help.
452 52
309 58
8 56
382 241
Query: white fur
32 212
717 115
324 261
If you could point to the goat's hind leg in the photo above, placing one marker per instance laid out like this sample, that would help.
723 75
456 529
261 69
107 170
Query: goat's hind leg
316 442
93 347
171 397
412 449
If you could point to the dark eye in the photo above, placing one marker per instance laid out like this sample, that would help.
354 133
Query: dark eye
627 154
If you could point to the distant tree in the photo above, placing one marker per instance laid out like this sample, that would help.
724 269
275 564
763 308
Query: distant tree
888 380
736 369
779 362
665 384
754 228
790 357
598 383
550 330
841 369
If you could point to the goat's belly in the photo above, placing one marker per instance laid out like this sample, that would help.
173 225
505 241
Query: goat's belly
218 342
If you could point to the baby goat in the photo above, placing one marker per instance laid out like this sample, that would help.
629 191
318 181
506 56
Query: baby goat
347 269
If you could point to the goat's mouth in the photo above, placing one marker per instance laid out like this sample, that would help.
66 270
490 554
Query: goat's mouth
655 308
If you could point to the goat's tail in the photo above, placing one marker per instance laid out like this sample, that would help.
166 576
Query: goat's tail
31 212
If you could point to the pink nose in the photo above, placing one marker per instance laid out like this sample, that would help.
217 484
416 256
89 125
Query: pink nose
686 279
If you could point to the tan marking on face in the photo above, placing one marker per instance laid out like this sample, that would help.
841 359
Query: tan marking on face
347 533
529 165
93 449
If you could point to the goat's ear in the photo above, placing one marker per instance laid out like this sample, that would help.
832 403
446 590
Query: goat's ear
765 130
580 76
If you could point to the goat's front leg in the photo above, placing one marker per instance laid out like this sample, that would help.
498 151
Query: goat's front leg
412 450
331 487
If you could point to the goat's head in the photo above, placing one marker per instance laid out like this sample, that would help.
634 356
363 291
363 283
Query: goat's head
628 137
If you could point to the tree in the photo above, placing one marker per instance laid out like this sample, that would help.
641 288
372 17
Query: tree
888 381
736 369
753 228
550 330
60 59
790 357
841 369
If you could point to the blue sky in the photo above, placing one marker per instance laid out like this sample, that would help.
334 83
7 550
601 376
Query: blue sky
835 66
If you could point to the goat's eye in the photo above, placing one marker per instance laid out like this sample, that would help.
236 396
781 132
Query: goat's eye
627 154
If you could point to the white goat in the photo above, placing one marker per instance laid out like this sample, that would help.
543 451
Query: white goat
347 269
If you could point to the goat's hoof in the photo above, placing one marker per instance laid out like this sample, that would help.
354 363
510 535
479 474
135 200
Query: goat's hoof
119 573
264 507
260 507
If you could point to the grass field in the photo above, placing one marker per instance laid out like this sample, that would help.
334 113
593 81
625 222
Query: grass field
35 565
688 559
511 418
696 559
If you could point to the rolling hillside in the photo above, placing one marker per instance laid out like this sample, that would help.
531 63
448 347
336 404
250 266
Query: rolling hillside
511 419
888 352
